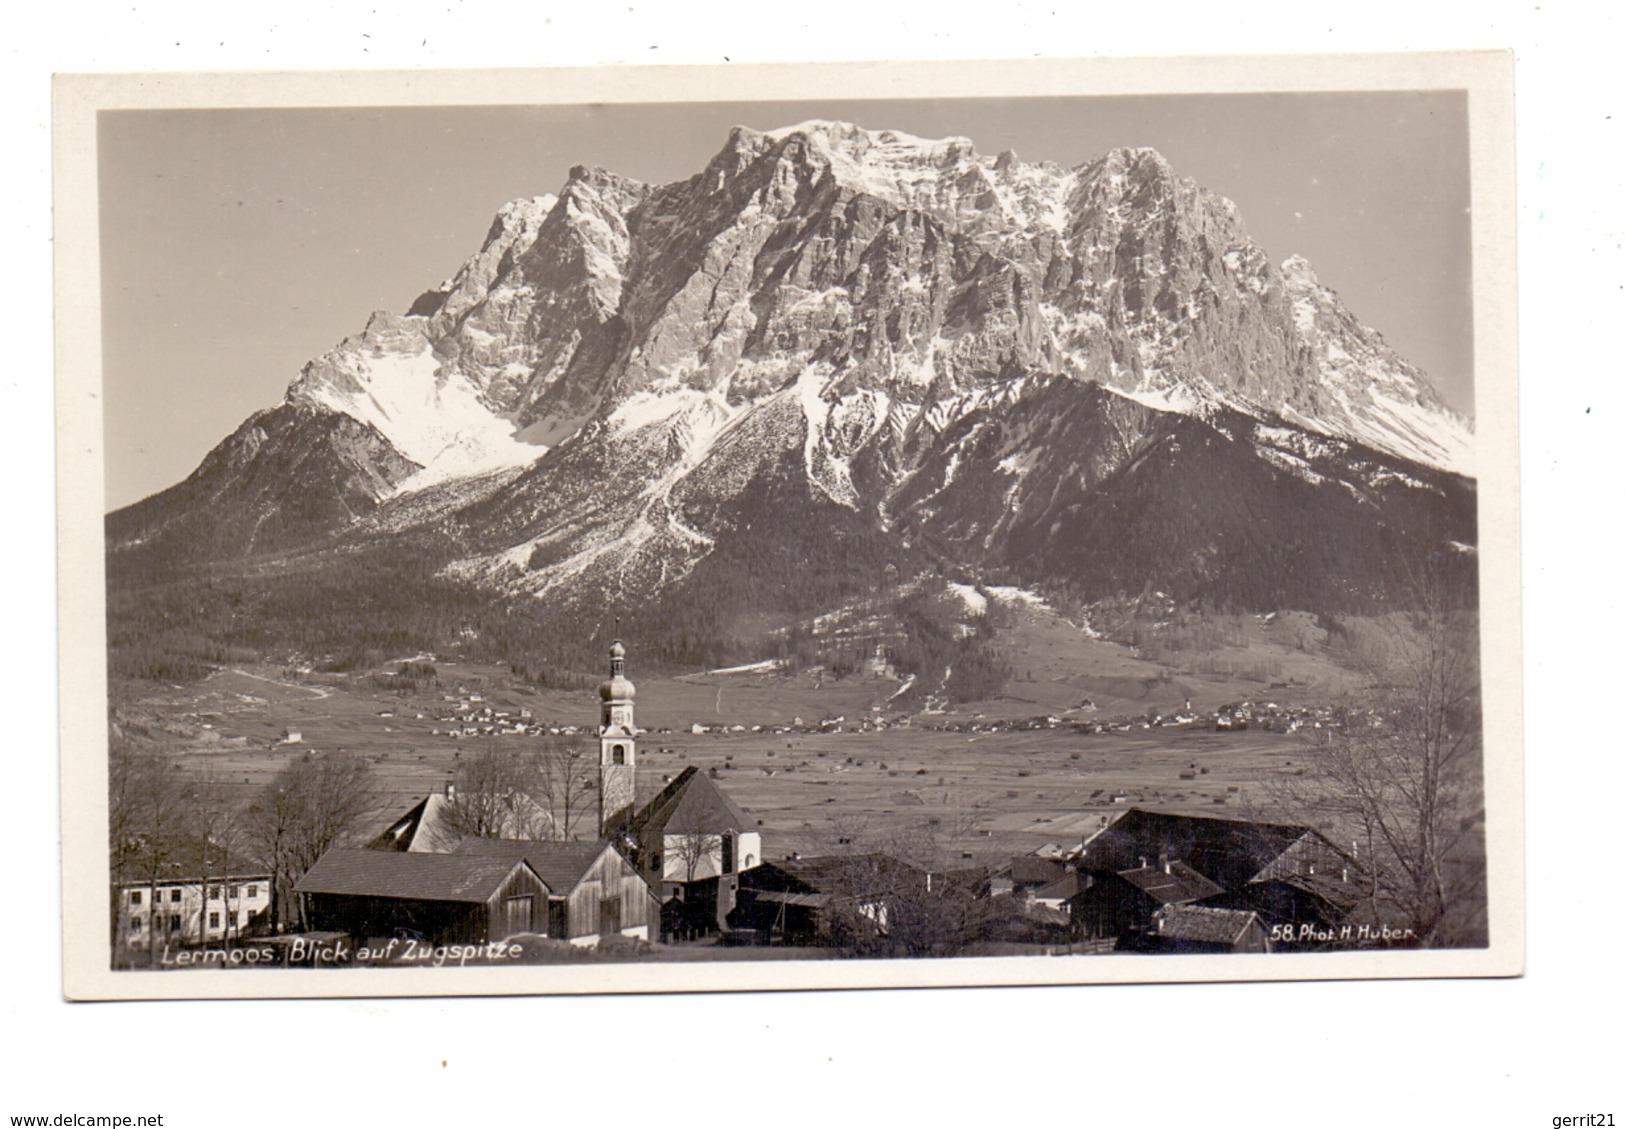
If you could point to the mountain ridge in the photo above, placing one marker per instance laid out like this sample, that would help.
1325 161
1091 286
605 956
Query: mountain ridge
955 350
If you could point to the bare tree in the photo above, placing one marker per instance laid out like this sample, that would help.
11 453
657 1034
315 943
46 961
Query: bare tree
219 829
697 844
892 899
313 804
493 797
963 813
566 778
1400 779
147 829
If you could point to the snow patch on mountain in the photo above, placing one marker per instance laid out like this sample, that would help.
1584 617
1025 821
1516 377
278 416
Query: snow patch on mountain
766 666
827 471
1010 594
943 176
391 379
975 603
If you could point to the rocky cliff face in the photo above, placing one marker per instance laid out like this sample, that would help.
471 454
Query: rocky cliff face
994 359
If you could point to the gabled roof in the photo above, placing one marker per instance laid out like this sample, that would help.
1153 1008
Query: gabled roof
429 825
561 865
1203 923
692 803
1328 889
1231 852
806 901
859 875
1179 883
1031 869
401 874
1064 888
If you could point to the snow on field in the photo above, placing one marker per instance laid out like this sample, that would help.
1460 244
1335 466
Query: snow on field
1009 594
974 601
766 666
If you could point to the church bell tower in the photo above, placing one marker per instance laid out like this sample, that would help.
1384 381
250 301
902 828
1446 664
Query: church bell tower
617 747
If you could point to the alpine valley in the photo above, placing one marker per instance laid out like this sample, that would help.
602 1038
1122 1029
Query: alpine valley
832 364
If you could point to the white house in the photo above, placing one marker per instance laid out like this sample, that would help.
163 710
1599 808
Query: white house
180 910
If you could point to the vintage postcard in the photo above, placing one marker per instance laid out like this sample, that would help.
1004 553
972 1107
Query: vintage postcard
668 529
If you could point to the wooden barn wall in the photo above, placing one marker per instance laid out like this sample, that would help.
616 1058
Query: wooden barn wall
610 873
520 884
372 917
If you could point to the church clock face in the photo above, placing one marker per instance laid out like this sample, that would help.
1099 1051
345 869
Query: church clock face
620 715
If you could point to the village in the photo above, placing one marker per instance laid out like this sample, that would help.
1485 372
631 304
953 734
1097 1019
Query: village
628 854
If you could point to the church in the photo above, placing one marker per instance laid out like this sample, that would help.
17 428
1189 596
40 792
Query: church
677 857
690 841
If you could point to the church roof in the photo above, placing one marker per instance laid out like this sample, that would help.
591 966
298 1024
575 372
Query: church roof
691 803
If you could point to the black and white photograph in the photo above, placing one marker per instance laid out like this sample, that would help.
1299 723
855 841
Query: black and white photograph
829 564
773 534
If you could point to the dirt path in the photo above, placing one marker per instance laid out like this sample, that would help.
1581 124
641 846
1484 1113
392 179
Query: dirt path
317 692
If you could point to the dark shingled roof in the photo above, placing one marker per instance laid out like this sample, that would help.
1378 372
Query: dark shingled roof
561 865
856 874
1064 888
402 874
691 803
1179 883
182 860
1033 870
843 876
1232 852
1203 923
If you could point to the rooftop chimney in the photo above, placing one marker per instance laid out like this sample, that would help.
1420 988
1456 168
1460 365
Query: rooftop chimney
1165 864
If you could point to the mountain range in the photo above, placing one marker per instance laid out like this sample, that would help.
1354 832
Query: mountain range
832 360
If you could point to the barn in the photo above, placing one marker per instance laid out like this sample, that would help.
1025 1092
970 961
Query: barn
1148 873
486 890
593 891
441 899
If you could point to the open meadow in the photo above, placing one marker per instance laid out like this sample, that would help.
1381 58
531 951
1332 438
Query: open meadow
818 762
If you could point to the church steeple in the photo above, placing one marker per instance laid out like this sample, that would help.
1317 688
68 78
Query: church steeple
617 746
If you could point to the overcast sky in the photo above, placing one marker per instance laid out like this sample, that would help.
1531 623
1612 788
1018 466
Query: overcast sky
239 244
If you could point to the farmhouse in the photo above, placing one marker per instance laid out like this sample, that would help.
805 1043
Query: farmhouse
1280 872
1032 872
801 900
1115 904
